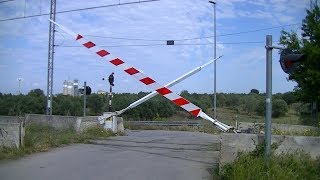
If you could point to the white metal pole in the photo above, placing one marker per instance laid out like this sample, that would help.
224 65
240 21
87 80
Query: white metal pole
215 64
172 83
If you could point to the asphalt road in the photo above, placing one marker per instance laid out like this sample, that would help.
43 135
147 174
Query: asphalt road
142 155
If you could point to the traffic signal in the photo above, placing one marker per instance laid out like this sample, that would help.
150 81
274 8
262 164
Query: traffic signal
170 42
88 90
289 61
111 79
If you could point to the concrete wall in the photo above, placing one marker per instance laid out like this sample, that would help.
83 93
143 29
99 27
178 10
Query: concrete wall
232 144
55 121
12 128
83 123
12 131
282 127
92 121
79 123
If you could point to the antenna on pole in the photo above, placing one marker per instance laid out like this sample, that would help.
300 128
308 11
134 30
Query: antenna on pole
19 80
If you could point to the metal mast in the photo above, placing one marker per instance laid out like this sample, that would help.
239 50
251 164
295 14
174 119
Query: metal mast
51 57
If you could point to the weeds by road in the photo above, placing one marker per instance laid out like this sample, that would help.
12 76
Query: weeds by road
286 166
39 138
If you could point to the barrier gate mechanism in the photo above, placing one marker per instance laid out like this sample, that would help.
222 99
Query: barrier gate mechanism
163 90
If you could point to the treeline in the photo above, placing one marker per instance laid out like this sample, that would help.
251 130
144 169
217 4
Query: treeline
157 107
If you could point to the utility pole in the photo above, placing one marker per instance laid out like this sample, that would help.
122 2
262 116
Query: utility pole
268 95
215 63
268 122
51 57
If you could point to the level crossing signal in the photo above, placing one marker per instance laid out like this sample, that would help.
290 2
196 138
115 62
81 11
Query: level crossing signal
289 61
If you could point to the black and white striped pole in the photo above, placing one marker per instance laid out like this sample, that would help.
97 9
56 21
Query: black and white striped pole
111 82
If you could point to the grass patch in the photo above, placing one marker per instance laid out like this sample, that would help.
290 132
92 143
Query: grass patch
41 137
307 132
229 116
286 166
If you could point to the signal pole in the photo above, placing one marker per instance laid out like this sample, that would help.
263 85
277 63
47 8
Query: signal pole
111 82
84 98
268 122
110 99
268 95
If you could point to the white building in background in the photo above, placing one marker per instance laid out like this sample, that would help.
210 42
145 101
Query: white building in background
76 87
65 88
71 88
102 92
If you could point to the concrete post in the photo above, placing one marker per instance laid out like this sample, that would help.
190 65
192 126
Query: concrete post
114 124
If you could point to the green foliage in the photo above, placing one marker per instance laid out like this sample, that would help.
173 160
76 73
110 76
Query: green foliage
67 105
156 108
221 100
250 103
254 91
96 104
279 108
307 132
286 166
290 97
307 74
233 100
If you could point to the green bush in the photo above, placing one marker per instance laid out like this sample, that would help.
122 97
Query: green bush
279 108
286 166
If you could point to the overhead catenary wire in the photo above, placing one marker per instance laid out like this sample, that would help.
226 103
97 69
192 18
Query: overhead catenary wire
80 9
163 44
6 1
196 38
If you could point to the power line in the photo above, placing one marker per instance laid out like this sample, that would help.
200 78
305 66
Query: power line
195 38
80 9
185 44
6 1
149 45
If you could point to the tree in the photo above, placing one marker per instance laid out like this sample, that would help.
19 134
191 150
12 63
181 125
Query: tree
254 91
279 108
36 92
95 104
307 74
290 97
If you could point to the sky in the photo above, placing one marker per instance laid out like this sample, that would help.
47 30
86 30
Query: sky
138 36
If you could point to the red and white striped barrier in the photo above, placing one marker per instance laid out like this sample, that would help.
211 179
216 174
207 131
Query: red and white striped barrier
164 91
178 100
